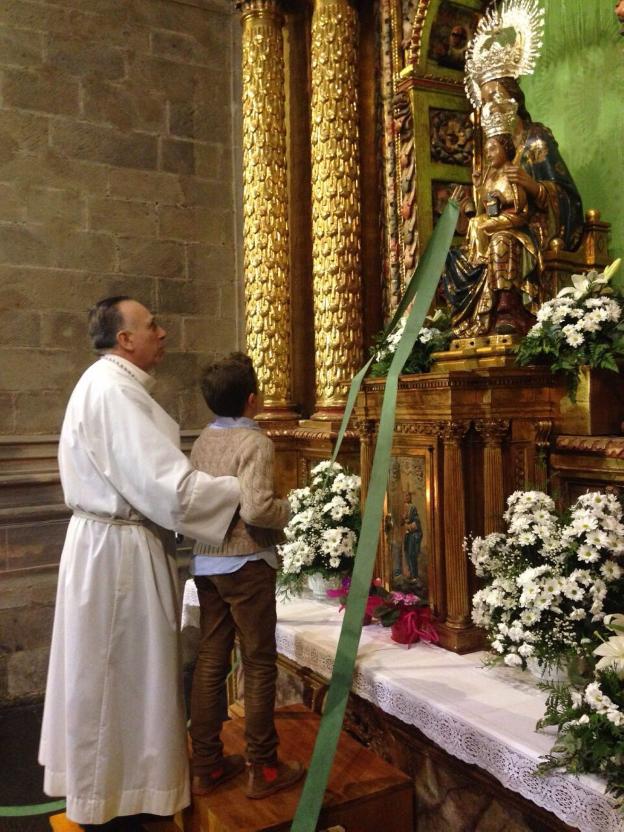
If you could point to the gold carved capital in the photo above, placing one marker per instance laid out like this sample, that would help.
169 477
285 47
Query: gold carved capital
335 201
492 430
366 430
265 200
260 8
454 431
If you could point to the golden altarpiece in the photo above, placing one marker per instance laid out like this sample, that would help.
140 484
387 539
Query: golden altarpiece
356 131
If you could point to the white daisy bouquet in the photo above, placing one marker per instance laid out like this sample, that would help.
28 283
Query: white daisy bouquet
590 718
550 581
323 531
582 326
435 336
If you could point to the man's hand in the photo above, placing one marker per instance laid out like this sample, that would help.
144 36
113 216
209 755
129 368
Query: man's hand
518 176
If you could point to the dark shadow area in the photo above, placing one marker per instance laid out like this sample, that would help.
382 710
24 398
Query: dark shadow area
21 783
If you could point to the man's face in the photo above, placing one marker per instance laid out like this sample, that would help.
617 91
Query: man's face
141 338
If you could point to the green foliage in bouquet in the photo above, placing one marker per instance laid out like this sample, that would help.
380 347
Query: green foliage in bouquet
590 738
582 326
435 337
590 717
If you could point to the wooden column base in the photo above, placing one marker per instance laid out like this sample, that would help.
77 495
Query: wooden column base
461 640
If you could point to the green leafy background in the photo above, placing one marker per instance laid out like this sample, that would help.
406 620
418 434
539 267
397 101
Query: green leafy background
578 91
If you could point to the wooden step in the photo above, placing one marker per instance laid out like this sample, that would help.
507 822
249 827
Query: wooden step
364 794
61 823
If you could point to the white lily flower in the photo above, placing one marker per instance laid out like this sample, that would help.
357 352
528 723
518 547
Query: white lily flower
612 269
581 284
615 622
612 652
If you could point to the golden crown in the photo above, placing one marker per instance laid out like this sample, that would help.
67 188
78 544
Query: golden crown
490 56
499 115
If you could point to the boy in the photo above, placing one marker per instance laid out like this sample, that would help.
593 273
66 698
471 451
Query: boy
236 587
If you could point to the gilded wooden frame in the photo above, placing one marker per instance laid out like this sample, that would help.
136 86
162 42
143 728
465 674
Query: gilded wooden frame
412 473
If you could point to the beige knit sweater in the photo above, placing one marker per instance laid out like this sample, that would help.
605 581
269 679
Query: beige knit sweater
247 454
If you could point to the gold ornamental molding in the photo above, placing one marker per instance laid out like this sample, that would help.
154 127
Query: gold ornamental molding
336 245
265 201
310 435
418 26
606 446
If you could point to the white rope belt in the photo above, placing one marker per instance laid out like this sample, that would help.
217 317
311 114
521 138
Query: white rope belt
112 521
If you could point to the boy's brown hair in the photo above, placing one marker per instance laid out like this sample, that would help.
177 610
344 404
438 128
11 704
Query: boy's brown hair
227 384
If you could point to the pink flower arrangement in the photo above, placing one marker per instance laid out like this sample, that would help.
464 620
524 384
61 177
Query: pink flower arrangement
404 612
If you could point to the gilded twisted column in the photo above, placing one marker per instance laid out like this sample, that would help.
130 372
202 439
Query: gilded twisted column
265 200
456 560
335 203
493 432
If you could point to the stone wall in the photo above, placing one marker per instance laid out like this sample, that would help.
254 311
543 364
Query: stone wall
116 176
119 161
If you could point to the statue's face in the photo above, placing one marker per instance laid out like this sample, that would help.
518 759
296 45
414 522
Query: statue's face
495 153
619 11
493 91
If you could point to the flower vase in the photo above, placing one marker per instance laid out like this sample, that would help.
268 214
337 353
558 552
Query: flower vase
318 585
547 673
412 625
402 632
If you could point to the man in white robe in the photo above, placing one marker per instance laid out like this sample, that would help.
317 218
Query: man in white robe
113 737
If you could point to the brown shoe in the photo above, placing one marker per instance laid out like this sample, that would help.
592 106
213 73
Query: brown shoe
229 767
265 780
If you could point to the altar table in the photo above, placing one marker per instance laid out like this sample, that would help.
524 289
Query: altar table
484 717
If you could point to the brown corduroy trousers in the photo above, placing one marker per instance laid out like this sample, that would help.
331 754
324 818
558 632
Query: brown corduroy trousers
241 603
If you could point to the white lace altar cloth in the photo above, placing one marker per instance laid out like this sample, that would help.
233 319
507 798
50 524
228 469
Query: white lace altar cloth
485 717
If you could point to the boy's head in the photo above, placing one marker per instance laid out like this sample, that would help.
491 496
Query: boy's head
230 386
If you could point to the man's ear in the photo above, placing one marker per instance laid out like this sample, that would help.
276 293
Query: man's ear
125 340
252 398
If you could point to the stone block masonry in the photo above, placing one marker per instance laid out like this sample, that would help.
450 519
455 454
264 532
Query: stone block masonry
119 124
118 120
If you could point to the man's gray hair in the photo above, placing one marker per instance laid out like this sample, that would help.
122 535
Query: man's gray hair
105 321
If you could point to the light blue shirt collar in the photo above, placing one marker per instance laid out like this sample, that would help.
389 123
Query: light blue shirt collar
223 422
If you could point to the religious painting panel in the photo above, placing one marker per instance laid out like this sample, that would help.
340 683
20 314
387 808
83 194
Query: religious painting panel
407 543
451 31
